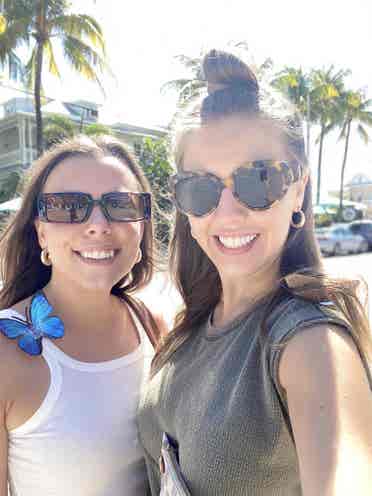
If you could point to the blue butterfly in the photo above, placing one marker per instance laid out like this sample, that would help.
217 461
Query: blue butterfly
38 324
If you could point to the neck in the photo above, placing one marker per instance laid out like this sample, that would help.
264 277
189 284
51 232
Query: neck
240 295
80 308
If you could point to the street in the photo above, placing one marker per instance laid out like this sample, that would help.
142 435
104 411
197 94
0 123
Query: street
162 298
352 265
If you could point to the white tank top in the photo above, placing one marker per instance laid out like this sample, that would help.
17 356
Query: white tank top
83 438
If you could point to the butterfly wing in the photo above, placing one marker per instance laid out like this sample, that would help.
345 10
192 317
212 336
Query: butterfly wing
51 327
12 328
16 329
40 309
30 345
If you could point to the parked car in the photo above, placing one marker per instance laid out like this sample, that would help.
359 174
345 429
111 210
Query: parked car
364 228
340 240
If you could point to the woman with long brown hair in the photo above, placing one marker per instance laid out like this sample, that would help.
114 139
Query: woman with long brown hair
77 249
263 388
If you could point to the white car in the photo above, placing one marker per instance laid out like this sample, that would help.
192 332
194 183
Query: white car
340 240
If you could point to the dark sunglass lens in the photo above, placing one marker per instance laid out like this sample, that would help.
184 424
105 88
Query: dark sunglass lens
197 195
125 206
66 207
259 186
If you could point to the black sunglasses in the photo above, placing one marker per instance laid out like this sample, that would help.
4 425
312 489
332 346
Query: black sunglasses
76 207
257 185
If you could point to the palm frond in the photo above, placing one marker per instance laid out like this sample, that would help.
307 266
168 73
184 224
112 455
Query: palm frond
174 85
50 60
82 28
3 24
30 70
15 34
83 59
343 130
363 134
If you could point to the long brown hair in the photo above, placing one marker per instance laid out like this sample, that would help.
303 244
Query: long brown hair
232 90
22 271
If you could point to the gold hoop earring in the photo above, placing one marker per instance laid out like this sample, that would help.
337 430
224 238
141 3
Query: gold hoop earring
298 219
45 257
139 256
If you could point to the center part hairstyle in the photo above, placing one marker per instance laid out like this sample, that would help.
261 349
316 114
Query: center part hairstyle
234 91
22 271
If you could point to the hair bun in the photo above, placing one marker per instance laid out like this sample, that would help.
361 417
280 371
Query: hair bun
222 70
231 84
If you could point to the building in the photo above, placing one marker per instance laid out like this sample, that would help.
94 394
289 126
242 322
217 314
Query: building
18 129
359 189
13 71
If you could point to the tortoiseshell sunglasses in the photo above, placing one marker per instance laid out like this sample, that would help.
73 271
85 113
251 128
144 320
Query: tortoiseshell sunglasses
257 185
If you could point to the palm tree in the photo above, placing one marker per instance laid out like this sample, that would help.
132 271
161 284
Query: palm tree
190 87
296 85
327 87
356 109
43 23
187 88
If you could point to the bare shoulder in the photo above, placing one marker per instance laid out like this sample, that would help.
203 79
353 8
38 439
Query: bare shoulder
10 367
330 408
322 355
15 364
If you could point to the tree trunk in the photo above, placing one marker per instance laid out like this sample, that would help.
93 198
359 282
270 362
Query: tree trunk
37 95
40 39
320 163
343 166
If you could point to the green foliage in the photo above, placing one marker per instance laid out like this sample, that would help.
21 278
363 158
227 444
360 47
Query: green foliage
9 186
354 107
295 84
97 129
153 158
41 26
57 128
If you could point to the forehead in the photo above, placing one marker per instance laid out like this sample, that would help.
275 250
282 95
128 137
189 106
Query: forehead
95 175
222 146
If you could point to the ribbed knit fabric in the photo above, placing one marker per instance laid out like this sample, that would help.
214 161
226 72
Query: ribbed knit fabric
83 439
220 400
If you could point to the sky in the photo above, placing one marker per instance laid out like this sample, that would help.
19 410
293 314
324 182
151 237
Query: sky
143 38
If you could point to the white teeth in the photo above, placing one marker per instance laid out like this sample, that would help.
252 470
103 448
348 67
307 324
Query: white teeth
236 242
97 255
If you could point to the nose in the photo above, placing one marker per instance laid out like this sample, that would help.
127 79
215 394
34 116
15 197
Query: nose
97 222
229 206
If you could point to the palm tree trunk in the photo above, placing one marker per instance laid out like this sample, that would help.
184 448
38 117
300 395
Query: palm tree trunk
344 165
320 163
37 96
40 38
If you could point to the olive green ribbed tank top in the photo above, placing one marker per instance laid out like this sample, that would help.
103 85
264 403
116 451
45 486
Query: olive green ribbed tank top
220 399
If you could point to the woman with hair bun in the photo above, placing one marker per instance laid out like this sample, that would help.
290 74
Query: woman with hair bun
263 388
